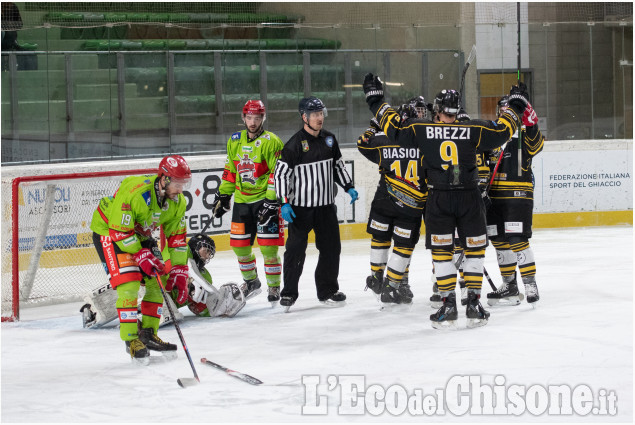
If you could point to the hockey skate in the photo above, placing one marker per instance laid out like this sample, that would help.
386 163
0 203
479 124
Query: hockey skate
273 295
391 298
89 317
445 317
476 314
153 342
375 282
251 288
287 302
463 291
405 292
435 299
507 294
138 352
531 290
338 299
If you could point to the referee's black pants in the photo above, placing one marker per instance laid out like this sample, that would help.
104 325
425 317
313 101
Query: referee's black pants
323 221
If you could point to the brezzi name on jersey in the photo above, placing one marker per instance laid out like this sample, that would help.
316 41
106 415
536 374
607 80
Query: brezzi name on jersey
448 133
400 153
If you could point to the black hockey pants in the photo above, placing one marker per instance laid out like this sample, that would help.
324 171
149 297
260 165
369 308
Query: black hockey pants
323 221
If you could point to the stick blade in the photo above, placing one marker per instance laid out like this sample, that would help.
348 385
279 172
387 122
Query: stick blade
187 382
472 54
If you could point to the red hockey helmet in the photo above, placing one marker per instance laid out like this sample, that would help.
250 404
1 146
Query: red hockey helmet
176 170
255 107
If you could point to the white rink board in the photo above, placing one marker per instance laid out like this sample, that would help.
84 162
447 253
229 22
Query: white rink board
583 180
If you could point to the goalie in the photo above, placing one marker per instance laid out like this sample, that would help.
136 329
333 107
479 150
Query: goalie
203 300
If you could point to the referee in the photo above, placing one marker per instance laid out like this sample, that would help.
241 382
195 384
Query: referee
310 164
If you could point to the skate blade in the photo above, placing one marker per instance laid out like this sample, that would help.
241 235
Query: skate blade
511 301
253 293
140 361
394 307
445 325
274 303
476 323
331 303
287 308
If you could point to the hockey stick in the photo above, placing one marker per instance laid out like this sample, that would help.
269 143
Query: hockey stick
489 279
520 131
242 376
469 60
183 382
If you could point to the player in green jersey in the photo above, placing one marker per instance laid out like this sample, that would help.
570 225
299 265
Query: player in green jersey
122 229
251 159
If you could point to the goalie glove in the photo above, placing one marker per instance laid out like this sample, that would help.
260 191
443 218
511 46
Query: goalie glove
373 88
220 204
267 212
178 280
148 263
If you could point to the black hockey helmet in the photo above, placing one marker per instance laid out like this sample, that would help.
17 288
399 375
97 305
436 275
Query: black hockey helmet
407 111
448 102
502 104
197 242
420 105
311 104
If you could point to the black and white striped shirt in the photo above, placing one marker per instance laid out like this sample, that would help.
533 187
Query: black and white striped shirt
308 169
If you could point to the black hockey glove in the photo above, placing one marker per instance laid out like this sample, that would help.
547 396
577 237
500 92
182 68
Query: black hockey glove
373 88
375 124
518 98
268 212
366 136
462 116
220 205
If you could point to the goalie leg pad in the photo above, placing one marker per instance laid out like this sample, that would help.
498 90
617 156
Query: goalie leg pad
227 302
101 303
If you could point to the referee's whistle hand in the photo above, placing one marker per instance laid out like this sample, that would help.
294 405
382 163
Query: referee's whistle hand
287 213
353 193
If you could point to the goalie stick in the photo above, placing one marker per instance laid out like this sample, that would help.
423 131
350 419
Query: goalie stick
183 382
242 376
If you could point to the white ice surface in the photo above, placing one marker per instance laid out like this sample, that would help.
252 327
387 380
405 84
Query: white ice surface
581 333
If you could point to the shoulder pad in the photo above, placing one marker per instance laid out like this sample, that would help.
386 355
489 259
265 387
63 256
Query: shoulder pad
236 136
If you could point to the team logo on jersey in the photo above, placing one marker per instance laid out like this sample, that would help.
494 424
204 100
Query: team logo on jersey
147 197
246 169
266 136
329 141
125 207
258 142
236 136
248 149
305 146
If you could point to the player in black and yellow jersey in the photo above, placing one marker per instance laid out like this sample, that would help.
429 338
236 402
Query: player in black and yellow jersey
509 218
454 200
396 210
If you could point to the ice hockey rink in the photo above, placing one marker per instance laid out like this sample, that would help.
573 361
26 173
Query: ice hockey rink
580 337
